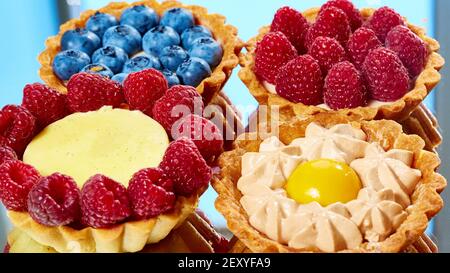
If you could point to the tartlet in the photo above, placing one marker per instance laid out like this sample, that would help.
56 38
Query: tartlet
426 201
119 158
225 34
398 110
129 236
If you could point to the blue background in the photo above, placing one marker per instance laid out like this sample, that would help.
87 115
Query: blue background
27 23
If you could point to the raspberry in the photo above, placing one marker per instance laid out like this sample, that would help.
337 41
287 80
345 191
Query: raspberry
46 104
344 87
362 41
327 52
16 181
149 200
54 201
7 154
292 24
301 81
354 16
205 135
332 22
179 101
272 52
17 128
142 89
387 78
185 166
90 92
6 249
411 50
104 202
383 20
157 177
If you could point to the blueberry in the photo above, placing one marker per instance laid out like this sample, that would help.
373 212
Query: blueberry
178 19
158 38
112 57
171 77
140 17
172 56
193 71
193 33
100 22
208 49
120 78
141 62
98 69
80 39
125 37
70 62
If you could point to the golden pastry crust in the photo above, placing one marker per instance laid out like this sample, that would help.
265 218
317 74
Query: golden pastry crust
398 110
193 236
225 34
126 237
426 199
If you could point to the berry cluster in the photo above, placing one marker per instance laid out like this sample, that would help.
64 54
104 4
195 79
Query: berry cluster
56 200
186 53
341 59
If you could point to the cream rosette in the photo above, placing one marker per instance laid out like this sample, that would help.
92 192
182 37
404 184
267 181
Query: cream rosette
380 170
341 142
377 214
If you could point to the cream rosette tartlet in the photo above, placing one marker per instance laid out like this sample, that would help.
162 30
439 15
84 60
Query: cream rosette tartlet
359 187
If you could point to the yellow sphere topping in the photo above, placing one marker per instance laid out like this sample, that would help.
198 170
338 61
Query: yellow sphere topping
324 181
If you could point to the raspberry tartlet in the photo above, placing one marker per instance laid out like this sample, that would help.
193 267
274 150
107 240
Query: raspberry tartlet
329 186
97 170
186 43
366 64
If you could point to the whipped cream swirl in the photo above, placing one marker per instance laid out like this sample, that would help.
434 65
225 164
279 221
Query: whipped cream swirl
380 170
342 143
376 213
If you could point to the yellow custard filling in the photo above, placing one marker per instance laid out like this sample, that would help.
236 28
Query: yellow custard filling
113 142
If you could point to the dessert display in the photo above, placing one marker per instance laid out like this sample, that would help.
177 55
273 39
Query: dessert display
366 64
186 43
329 186
105 168
114 151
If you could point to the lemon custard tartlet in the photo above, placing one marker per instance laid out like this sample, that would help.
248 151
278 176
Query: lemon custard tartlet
329 187
188 44
366 64
84 173
195 235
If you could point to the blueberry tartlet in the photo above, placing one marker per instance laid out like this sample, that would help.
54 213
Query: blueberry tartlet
186 43
367 64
